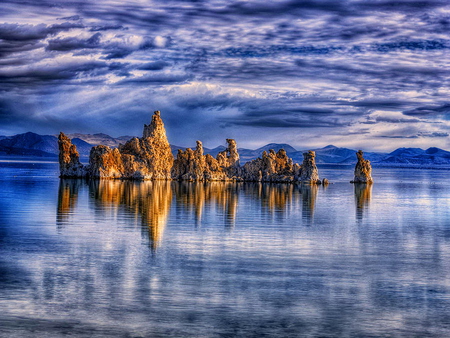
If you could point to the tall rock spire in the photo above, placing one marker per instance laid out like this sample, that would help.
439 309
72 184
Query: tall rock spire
69 159
363 170
309 172
149 157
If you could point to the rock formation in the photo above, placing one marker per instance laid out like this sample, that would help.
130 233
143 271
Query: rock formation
271 167
105 162
150 158
363 170
308 172
193 165
229 158
69 159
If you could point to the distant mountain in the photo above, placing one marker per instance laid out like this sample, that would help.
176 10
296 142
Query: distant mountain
214 151
337 155
11 151
276 147
418 156
175 148
31 144
100 138
83 147
333 154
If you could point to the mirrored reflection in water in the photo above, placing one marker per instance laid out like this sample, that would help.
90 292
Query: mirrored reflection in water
150 201
67 199
193 197
249 260
363 195
309 196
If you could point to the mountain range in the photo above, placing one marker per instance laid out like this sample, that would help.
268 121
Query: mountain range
35 145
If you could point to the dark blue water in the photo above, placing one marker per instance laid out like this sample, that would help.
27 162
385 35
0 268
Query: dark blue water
168 259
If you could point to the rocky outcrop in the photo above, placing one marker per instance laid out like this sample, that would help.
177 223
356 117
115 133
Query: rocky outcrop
271 167
150 158
105 162
228 160
193 165
308 172
69 159
363 170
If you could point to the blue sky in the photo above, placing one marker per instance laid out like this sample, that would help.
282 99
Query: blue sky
363 74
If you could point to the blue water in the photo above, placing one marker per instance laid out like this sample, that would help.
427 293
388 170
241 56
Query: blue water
167 259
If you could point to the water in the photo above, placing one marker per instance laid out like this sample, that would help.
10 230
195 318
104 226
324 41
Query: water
168 259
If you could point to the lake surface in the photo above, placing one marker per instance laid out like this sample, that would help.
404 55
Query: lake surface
166 259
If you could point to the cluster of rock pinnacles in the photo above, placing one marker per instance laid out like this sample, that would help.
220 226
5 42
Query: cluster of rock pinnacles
150 158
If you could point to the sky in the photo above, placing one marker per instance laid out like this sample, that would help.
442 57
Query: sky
363 74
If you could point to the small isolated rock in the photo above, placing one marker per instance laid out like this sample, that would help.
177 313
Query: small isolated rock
308 172
363 170
69 159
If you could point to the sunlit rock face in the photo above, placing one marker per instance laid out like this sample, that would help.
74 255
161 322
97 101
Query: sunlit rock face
150 158
228 160
193 165
363 170
69 159
105 162
145 158
270 167
308 173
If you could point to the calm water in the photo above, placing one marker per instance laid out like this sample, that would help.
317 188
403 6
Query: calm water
158 259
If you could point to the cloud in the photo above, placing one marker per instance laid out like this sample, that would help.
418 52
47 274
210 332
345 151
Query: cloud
157 79
72 43
31 76
411 133
434 134
156 65
27 32
160 41
431 110
322 67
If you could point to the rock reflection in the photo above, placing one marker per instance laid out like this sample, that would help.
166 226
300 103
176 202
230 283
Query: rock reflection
363 195
275 198
67 199
193 196
309 196
148 200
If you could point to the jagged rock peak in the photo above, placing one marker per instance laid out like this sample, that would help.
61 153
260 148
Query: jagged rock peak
69 159
270 167
229 158
199 148
193 165
363 170
149 157
156 128
309 172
